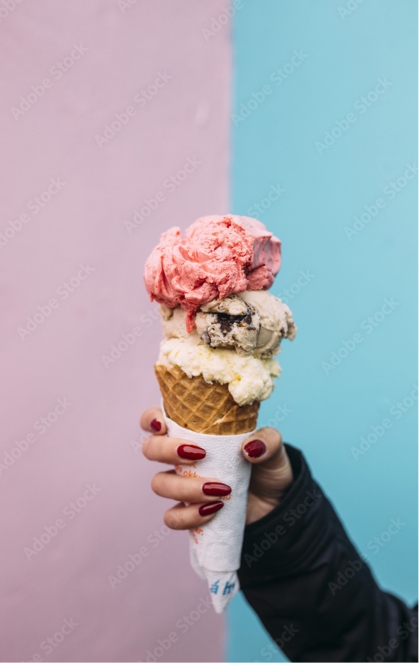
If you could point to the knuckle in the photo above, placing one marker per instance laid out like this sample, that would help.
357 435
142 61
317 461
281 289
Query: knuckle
156 483
145 447
144 419
189 489
173 519
271 435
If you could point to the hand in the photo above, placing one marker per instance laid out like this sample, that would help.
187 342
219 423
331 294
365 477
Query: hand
271 474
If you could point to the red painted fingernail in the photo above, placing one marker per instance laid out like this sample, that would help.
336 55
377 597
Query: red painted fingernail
216 489
191 452
208 509
155 425
255 448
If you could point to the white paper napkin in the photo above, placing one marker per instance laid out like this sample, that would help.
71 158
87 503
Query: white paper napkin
215 548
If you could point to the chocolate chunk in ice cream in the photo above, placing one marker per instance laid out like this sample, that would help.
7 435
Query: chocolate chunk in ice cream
229 323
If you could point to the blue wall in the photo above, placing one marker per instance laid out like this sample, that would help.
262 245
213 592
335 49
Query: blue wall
309 139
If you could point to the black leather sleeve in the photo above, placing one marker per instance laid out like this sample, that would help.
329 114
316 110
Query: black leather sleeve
312 590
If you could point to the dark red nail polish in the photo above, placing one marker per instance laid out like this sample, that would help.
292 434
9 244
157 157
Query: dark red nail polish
216 489
255 448
191 452
208 509
155 425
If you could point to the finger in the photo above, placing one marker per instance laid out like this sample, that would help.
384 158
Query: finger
271 473
189 489
152 420
172 450
188 517
264 446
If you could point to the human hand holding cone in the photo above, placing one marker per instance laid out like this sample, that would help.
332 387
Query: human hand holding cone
216 365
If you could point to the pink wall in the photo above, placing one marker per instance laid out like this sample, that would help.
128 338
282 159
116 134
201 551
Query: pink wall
87 188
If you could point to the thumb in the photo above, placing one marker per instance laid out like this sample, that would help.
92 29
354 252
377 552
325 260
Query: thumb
271 471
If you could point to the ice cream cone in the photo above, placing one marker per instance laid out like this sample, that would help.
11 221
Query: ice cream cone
201 406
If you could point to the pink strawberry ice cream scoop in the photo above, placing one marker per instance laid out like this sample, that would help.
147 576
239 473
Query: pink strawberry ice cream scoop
219 256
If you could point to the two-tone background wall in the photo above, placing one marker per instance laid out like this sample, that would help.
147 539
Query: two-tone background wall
119 119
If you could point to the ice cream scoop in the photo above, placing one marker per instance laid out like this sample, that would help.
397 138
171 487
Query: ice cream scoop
174 322
229 323
276 322
248 378
224 323
219 256
252 322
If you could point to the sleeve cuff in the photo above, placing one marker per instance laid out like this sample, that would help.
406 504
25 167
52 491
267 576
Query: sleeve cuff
289 531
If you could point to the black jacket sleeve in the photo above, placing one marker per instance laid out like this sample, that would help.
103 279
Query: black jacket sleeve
312 590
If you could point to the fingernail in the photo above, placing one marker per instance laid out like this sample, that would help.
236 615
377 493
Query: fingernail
208 509
155 425
216 489
255 448
191 452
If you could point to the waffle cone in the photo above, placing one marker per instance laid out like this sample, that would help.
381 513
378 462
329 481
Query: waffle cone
201 406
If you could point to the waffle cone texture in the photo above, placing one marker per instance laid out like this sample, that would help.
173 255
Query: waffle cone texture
202 406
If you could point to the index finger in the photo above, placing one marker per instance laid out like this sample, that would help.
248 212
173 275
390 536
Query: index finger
152 420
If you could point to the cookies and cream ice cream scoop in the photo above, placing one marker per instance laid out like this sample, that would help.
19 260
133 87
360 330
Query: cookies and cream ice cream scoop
251 322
